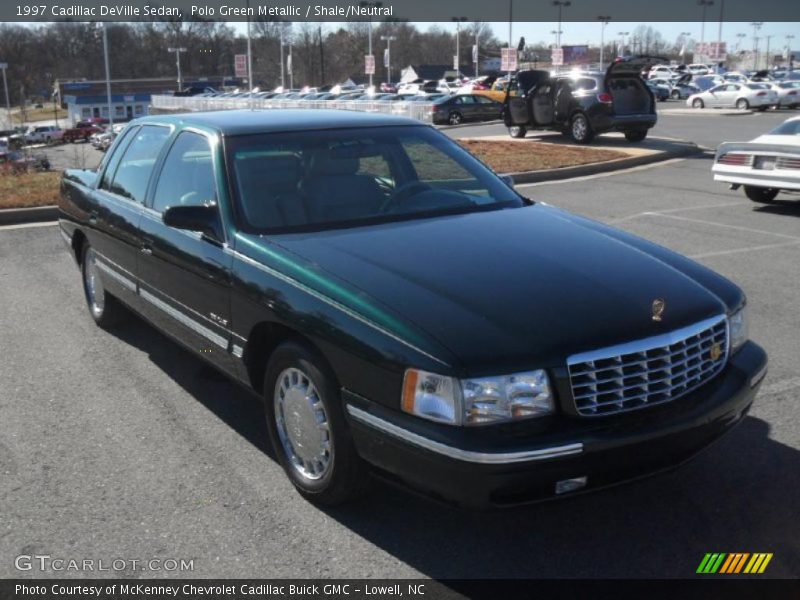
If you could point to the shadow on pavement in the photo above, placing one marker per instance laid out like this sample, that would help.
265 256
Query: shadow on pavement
780 207
740 495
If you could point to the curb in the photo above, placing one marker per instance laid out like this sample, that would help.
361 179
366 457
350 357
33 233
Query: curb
37 214
602 167
14 216
706 112
475 124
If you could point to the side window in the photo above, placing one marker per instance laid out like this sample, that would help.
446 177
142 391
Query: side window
134 170
113 159
467 99
187 178
433 166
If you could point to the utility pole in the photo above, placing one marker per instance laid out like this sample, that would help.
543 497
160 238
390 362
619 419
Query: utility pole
756 27
249 52
789 54
177 52
767 60
622 34
367 4
321 58
283 69
719 30
477 53
603 22
4 66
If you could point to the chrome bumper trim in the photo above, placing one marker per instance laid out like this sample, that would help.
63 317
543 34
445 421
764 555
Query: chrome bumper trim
486 458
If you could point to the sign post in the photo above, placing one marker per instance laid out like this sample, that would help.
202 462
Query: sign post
508 59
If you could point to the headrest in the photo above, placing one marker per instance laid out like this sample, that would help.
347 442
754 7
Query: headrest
326 163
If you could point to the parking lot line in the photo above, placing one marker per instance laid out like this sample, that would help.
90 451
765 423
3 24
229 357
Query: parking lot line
747 249
712 223
674 210
27 225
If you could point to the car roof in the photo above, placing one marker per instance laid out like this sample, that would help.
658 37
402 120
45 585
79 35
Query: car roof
242 122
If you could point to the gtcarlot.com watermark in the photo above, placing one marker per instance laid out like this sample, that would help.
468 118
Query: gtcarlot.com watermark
46 563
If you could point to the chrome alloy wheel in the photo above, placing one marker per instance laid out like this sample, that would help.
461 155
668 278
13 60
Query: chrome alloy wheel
579 127
93 284
302 424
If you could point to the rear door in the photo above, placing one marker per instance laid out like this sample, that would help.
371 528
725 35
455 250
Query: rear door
119 204
185 277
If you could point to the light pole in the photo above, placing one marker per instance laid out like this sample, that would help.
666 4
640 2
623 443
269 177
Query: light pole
476 58
705 4
457 61
249 52
560 4
366 4
766 52
177 52
283 68
622 34
741 36
756 27
789 54
556 33
388 64
4 66
108 74
684 35
290 67
603 22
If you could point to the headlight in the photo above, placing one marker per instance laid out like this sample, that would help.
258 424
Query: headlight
738 327
477 401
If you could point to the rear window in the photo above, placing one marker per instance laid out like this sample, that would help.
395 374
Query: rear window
788 128
584 84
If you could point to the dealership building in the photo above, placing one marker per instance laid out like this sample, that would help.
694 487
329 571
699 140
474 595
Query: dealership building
130 98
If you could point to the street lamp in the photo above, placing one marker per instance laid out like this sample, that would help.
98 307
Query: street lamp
388 62
367 4
177 52
741 36
555 33
560 4
603 22
789 54
684 35
457 61
705 4
622 34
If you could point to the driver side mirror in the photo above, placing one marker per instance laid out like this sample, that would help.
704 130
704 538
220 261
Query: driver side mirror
508 180
203 218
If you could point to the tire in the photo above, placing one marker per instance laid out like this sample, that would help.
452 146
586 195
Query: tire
675 95
698 103
636 135
455 118
580 131
760 194
517 131
762 108
105 310
742 104
302 402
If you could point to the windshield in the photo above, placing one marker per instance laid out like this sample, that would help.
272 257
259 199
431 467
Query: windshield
787 128
342 178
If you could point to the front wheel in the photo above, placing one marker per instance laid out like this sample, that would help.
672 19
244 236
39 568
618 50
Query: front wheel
103 307
697 103
455 118
675 94
637 135
517 131
742 104
760 194
579 129
308 429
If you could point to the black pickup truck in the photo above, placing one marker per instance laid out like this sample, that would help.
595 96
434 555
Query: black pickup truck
402 310
583 104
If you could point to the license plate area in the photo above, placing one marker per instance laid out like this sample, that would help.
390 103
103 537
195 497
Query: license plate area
764 163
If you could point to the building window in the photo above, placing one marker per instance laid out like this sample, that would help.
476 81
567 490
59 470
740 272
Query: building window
86 113
119 111
104 111
139 109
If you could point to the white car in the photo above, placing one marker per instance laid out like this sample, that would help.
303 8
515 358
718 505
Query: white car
764 166
788 93
46 134
735 95
661 71
698 69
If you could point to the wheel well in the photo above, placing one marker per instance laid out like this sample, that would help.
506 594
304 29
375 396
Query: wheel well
78 241
261 343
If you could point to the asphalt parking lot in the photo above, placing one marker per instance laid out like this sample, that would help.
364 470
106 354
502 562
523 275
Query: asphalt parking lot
123 445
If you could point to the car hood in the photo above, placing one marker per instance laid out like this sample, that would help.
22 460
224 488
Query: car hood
510 288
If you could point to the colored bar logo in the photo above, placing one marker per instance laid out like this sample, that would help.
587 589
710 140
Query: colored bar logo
734 563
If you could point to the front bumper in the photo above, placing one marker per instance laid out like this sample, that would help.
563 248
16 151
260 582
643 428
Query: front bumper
611 450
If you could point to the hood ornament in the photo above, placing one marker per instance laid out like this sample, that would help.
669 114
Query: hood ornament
657 308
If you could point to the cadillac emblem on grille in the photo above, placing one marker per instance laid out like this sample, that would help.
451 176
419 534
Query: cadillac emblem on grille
716 351
657 308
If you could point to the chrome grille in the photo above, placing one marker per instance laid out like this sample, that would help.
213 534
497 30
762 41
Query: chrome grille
649 371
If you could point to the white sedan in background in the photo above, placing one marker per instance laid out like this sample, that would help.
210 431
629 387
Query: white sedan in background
764 166
736 95
788 93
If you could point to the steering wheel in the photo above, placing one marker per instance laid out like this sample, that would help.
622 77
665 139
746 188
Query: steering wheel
411 188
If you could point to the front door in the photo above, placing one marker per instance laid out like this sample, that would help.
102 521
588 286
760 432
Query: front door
129 112
186 276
